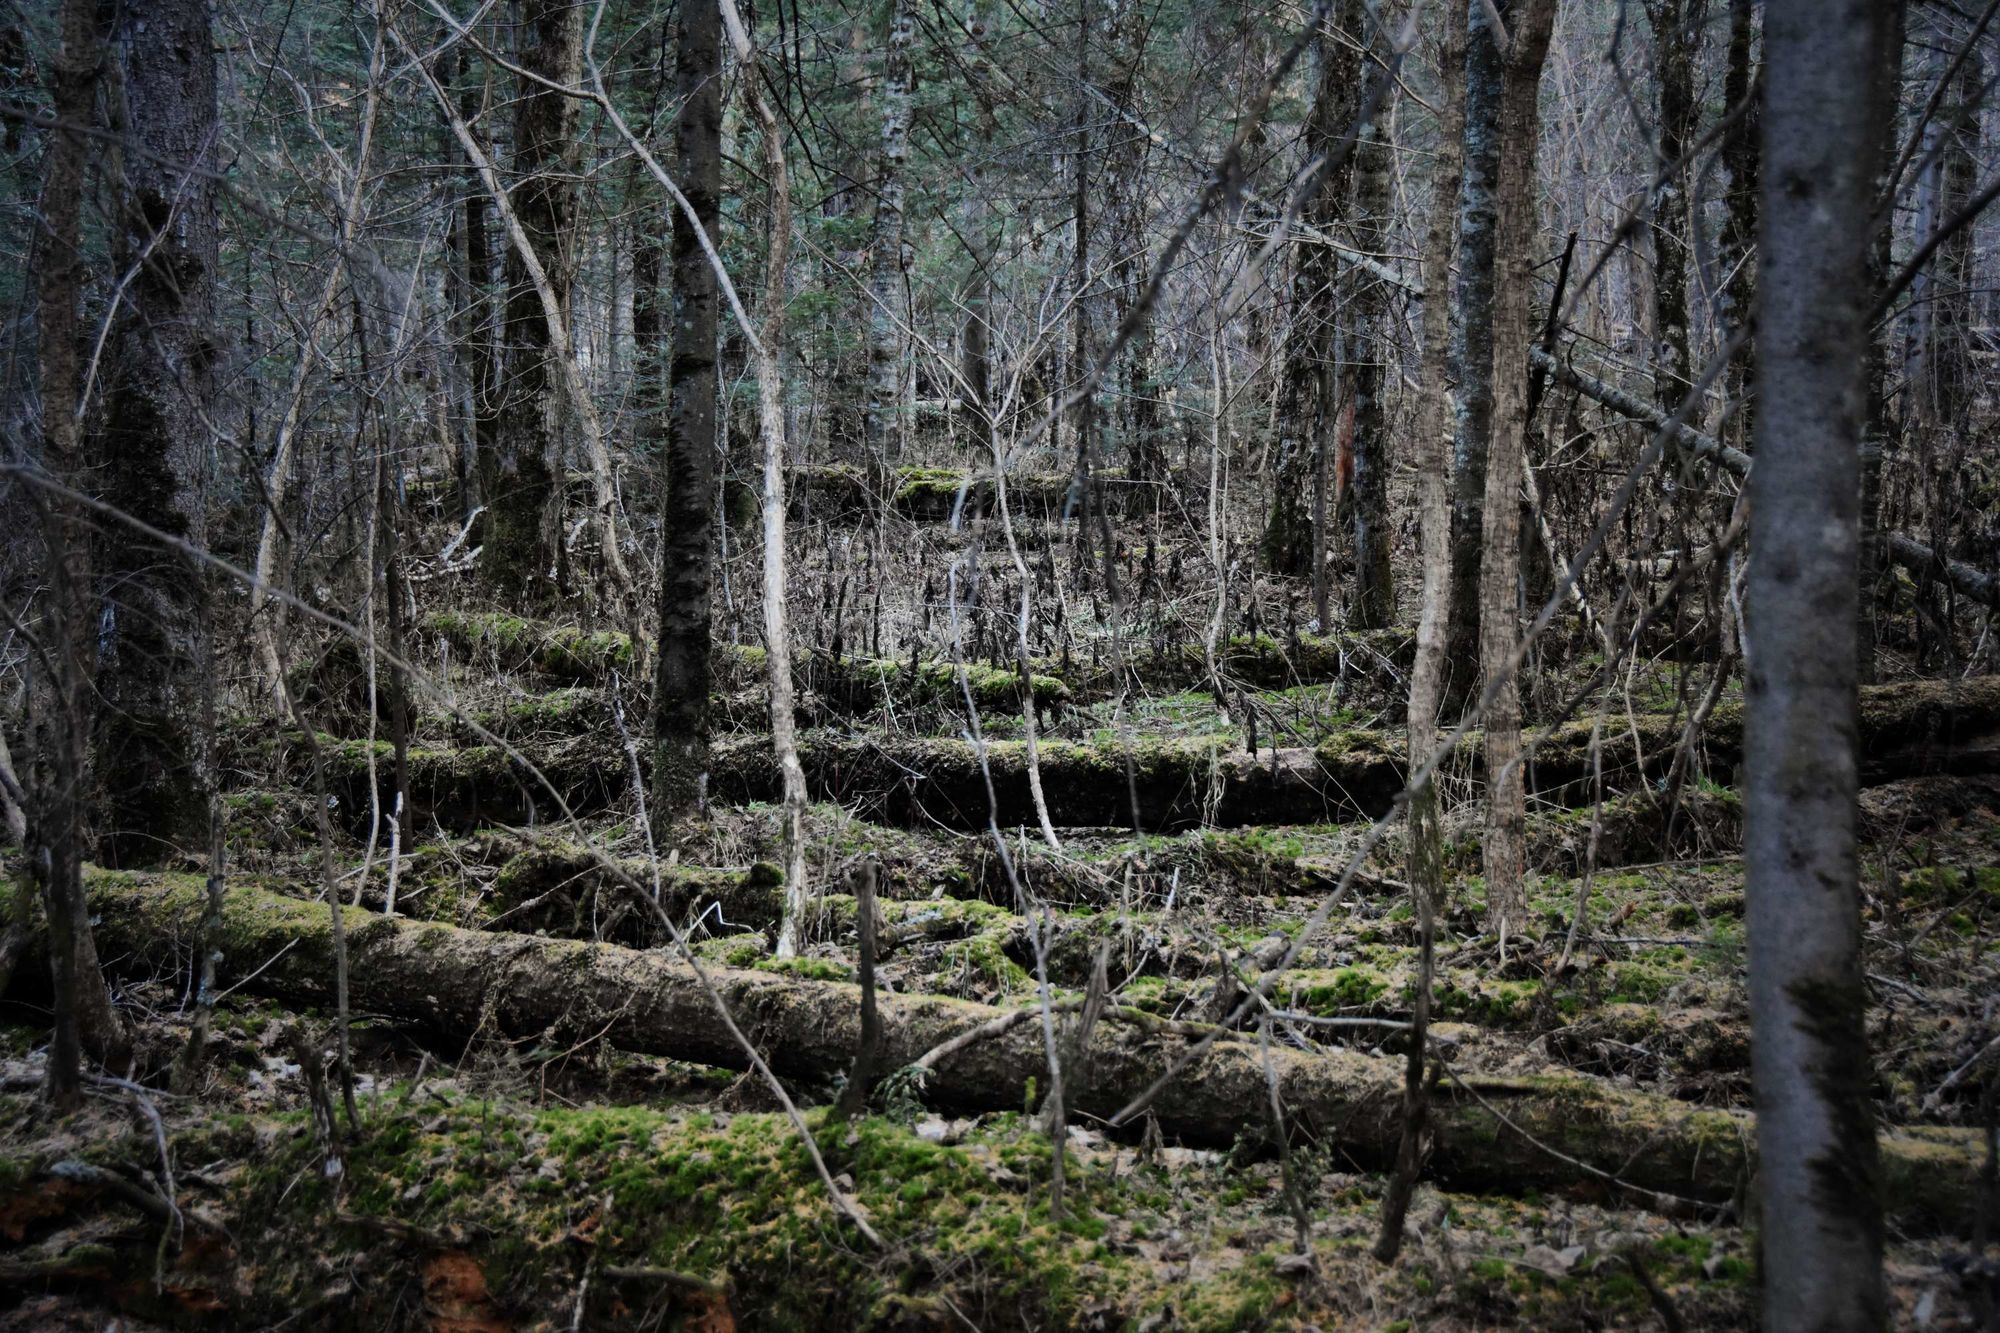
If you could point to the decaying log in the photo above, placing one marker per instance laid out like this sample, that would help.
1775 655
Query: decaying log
456 981
1907 730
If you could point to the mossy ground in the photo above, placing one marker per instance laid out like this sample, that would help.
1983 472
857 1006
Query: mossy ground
507 1152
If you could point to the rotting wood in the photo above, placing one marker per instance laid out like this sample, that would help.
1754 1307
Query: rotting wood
453 980
1909 729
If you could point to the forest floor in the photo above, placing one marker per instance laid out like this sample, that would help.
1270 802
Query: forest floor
531 1155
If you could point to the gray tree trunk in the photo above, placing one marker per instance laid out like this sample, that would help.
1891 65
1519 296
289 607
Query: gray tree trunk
1677 31
1433 466
1514 231
1472 347
681 674
1374 601
1878 437
1736 253
1825 102
887 341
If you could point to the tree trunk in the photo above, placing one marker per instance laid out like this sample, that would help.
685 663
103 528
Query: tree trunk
1433 466
1878 437
771 430
887 342
155 444
1826 99
1742 96
1306 392
473 315
979 238
681 678
1677 30
454 981
60 697
1472 347
1374 602
1515 229
523 481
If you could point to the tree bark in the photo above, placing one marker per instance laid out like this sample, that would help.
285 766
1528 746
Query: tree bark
1433 466
453 980
681 680
60 697
1742 97
1306 391
1819 1182
1879 435
1515 228
771 430
1472 347
1374 602
154 446
887 342
1677 31
523 476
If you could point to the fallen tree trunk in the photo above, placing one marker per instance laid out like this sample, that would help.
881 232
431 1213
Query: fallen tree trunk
1903 550
459 982
513 645
1907 730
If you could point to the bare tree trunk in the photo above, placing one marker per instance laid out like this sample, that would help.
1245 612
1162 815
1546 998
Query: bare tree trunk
1515 230
1306 393
1878 438
1433 464
60 697
473 315
979 239
1472 346
1374 603
1677 30
887 344
155 443
1825 102
681 679
524 481
1738 261
771 429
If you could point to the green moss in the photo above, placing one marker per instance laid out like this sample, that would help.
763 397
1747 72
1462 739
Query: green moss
735 1199
1329 993
813 969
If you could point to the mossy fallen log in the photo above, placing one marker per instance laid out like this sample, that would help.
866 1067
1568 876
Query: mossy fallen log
513 644
454 981
930 494
1906 730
